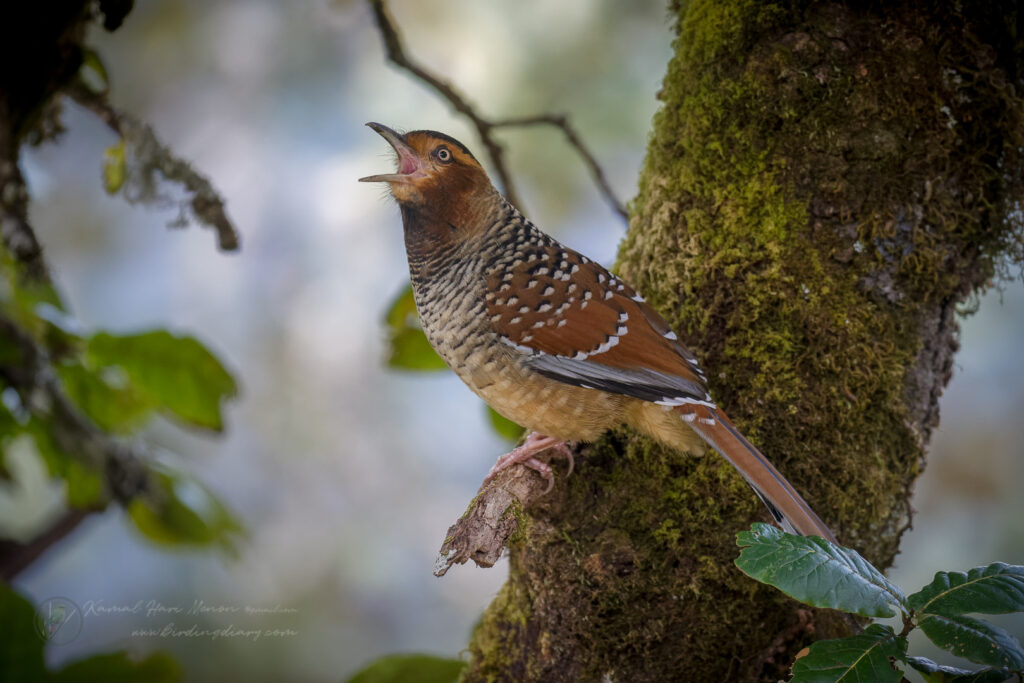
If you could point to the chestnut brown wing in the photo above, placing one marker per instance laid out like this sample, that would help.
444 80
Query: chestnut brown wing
582 325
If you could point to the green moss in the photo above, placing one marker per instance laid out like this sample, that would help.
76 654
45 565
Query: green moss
808 218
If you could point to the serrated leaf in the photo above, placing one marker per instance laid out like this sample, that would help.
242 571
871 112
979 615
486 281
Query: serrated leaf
118 667
410 669
504 426
995 589
177 374
936 673
817 572
181 513
974 639
863 658
408 348
115 168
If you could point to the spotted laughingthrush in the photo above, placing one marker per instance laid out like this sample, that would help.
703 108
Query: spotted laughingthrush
549 338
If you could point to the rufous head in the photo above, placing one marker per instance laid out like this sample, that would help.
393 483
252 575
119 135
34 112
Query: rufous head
433 169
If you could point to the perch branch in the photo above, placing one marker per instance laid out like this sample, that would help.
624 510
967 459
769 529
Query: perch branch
152 157
395 49
491 519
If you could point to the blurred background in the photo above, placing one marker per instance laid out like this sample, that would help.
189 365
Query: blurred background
346 474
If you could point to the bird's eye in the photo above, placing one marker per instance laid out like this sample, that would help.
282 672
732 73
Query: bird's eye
443 154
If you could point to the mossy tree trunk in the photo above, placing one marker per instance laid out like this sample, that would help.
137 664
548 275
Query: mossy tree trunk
824 185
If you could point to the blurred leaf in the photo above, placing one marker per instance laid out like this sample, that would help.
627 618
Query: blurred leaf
935 673
93 73
974 639
115 409
177 374
410 669
408 346
117 667
85 486
182 513
10 352
504 426
995 589
21 654
21 648
816 572
863 658
114 168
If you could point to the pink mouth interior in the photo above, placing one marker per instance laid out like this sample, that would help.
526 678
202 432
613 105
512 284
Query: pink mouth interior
406 163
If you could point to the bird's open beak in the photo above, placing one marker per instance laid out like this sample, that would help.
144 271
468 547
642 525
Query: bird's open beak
409 166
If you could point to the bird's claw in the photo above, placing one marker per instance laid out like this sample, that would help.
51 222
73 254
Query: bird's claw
524 454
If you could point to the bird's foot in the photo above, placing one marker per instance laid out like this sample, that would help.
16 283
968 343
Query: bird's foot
525 455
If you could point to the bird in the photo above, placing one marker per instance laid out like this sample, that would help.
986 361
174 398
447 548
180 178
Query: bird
547 337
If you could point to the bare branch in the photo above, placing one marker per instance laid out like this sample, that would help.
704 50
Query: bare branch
572 136
151 157
17 233
395 49
14 556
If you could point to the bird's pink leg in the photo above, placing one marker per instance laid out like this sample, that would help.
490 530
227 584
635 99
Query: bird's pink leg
524 454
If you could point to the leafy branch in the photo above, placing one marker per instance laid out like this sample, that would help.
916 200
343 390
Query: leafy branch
824 574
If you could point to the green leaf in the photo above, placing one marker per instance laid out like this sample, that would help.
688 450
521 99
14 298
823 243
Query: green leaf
410 669
995 589
21 648
936 673
117 667
112 408
21 654
177 374
115 168
504 426
974 639
93 73
183 513
408 346
86 487
816 572
863 658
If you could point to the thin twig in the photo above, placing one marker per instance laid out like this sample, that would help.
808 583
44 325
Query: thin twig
395 49
151 157
573 138
14 556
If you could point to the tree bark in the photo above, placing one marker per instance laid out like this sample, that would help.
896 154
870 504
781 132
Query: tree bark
823 186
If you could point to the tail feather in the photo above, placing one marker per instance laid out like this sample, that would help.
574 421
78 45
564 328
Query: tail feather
788 508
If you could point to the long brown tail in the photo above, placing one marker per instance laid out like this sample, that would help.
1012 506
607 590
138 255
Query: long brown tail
787 507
